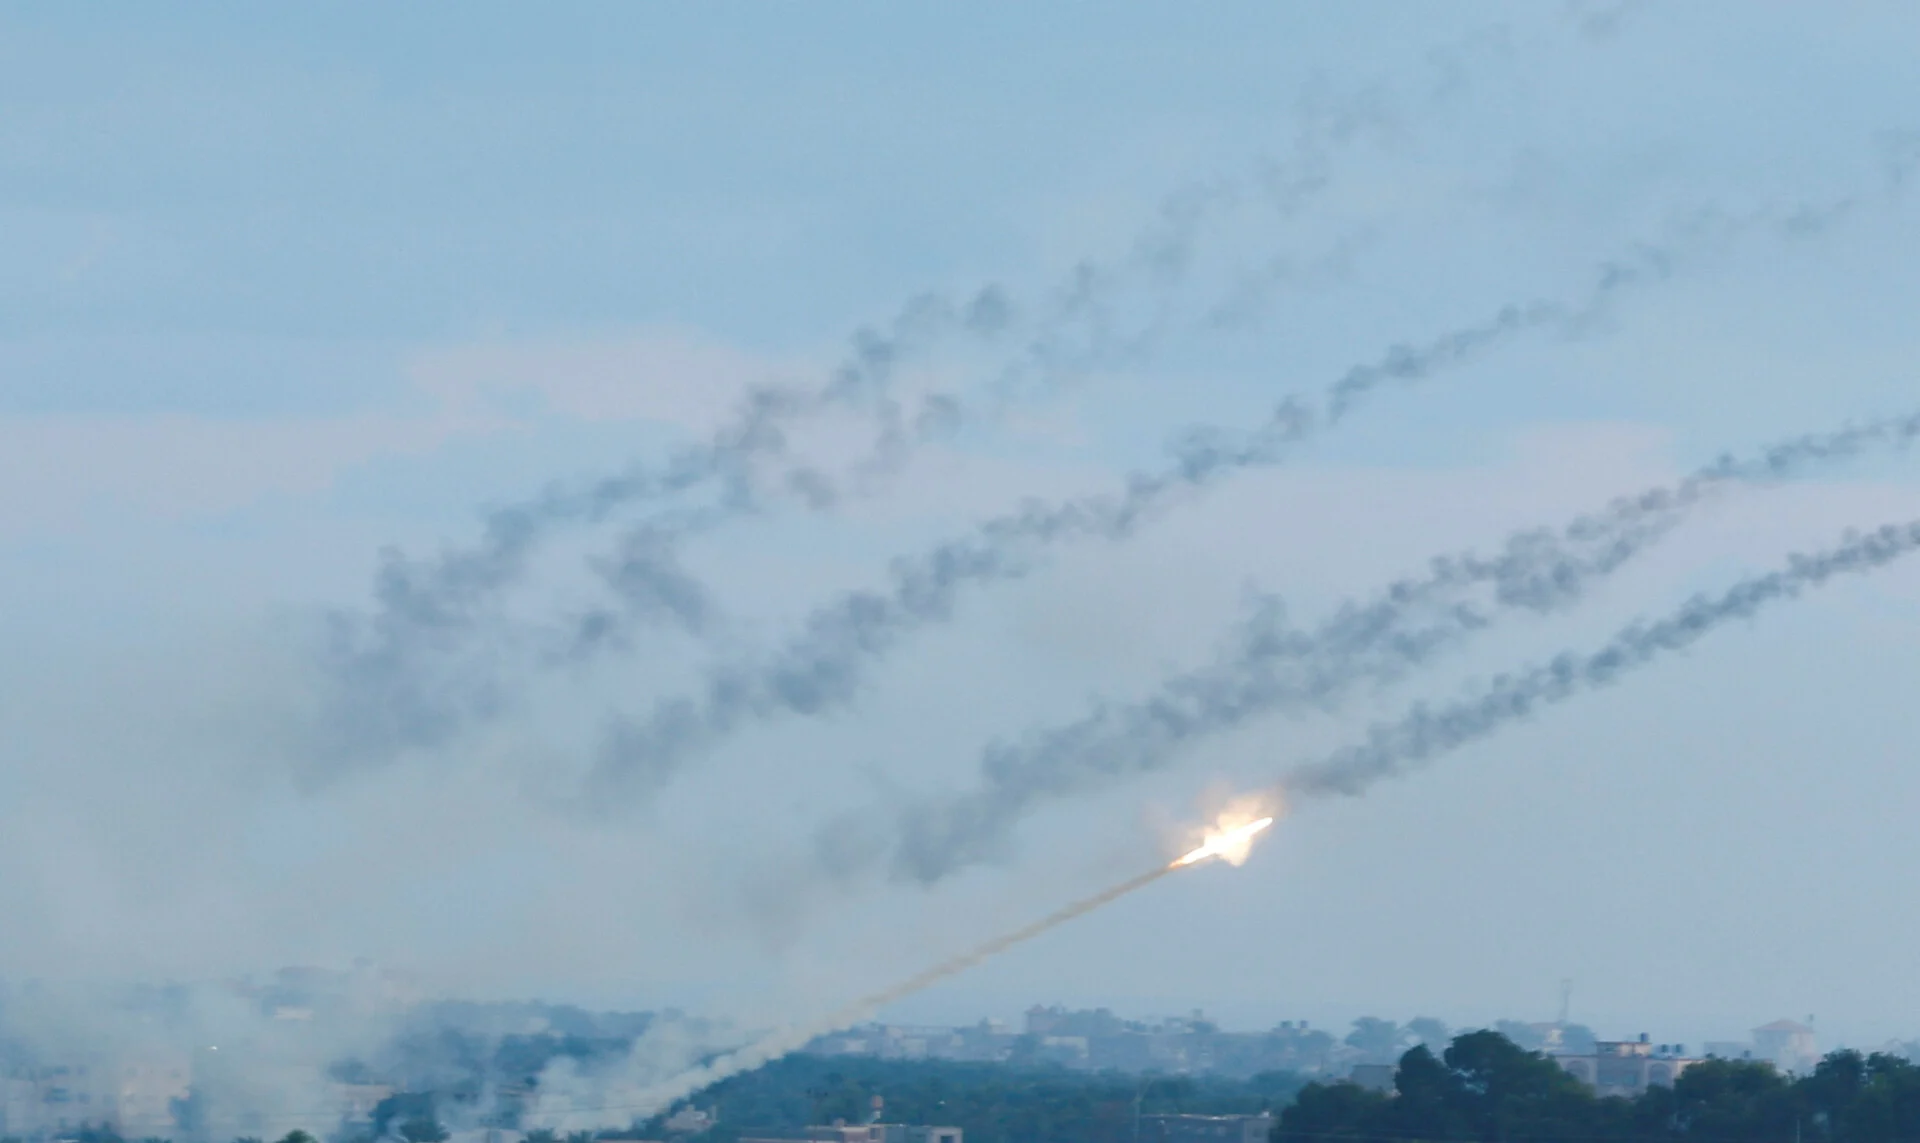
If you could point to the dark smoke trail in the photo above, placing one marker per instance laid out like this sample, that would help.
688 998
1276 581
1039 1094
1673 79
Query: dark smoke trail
428 611
1425 732
1390 750
823 666
1266 668
924 587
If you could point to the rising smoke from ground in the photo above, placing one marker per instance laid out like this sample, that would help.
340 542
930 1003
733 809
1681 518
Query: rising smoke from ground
208 1061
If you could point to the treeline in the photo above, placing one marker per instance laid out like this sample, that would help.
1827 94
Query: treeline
1485 1088
991 1102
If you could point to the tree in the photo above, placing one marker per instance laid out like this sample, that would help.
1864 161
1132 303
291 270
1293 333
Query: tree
298 1136
1888 1106
1501 1089
1329 1110
1735 1099
423 1130
1483 1087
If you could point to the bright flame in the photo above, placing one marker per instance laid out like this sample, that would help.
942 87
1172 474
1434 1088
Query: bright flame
1233 844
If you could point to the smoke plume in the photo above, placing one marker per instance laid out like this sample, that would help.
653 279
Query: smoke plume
1391 749
388 665
823 666
1425 732
1267 668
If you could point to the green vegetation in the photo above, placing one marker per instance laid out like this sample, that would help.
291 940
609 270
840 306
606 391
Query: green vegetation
1487 1089
992 1103
1482 1088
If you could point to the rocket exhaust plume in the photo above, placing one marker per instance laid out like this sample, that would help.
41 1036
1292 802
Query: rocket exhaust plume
823 666
1230 843
1391 749
1426 732
425 608
403 684
1266 667
1233 846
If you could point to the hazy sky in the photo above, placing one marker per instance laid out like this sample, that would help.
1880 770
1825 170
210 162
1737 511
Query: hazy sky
282 288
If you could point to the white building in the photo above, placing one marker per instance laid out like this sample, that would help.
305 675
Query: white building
1627 1067
1788 1044
1206 1128
134 1096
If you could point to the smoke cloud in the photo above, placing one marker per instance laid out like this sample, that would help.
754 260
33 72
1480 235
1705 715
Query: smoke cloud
203 1061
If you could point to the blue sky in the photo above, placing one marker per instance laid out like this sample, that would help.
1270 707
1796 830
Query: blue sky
282 288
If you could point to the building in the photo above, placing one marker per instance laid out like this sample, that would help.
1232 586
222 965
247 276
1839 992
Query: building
1205 1128
1627 1067
872 1133
987 1041
19 1106
1058 1021
1788 1044
1374 1077
1097 1040
133 1096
